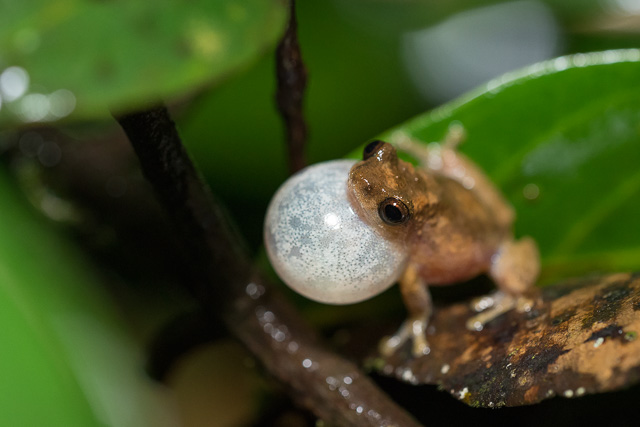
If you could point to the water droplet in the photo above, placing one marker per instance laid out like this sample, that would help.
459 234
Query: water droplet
343 392
373 414
580 60
269 316
14 82
30 143
333 383
279 336
62 103
531 191
561 63
478 326
49 154
34 107
463 393
292 347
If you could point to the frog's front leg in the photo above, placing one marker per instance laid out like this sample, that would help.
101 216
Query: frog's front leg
417 299
514 270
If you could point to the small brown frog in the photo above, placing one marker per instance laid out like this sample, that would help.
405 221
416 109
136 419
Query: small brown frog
341 232
455 225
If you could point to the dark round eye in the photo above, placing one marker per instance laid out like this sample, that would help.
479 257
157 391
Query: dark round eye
393 211
371 149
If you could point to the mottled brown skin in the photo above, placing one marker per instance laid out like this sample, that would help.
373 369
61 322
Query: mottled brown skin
452 233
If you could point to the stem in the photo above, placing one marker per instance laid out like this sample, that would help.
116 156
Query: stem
292 80
189 203
226 284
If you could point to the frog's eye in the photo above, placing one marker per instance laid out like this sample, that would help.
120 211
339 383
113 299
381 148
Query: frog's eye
319 245
393 211
371 149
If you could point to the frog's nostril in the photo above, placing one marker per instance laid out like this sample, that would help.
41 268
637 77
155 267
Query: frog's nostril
371 148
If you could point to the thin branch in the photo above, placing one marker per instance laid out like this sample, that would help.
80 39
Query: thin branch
227 286
292 80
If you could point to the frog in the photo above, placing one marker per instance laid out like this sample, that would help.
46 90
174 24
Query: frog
344 231
455 225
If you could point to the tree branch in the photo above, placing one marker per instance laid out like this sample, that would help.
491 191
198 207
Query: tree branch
292 80
226 284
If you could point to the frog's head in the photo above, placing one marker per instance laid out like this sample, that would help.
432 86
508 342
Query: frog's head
387 192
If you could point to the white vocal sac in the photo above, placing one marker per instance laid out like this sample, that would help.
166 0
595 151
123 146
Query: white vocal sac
318 244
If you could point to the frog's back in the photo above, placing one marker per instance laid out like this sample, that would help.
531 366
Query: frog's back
457 240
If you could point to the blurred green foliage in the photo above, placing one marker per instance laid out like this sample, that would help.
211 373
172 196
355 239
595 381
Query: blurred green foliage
124 54
573 134
67 359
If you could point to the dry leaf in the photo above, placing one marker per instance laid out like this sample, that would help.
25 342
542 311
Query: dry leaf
582 338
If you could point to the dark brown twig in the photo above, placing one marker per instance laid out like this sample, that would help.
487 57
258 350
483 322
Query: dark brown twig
224 282
292 80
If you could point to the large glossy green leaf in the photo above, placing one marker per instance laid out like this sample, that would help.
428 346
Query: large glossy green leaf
562 139
122 53
66 360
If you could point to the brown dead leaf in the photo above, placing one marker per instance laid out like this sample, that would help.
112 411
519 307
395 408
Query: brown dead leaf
582 338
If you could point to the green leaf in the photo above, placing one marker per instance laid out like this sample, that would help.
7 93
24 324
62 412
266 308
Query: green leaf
66 360
121 54
562 139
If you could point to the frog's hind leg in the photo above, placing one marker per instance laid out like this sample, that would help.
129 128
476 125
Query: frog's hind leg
514 269
454 137
417 299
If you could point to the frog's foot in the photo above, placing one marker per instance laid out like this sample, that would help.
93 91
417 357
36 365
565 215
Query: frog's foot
411 329
515 270
496 304
516 267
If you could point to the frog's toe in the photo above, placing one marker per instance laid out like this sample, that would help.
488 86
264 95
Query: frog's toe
494 305
411 329
525 304
420 346
389 345
498 303
485 302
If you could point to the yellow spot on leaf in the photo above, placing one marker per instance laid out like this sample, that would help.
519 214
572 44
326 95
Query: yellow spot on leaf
204 41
